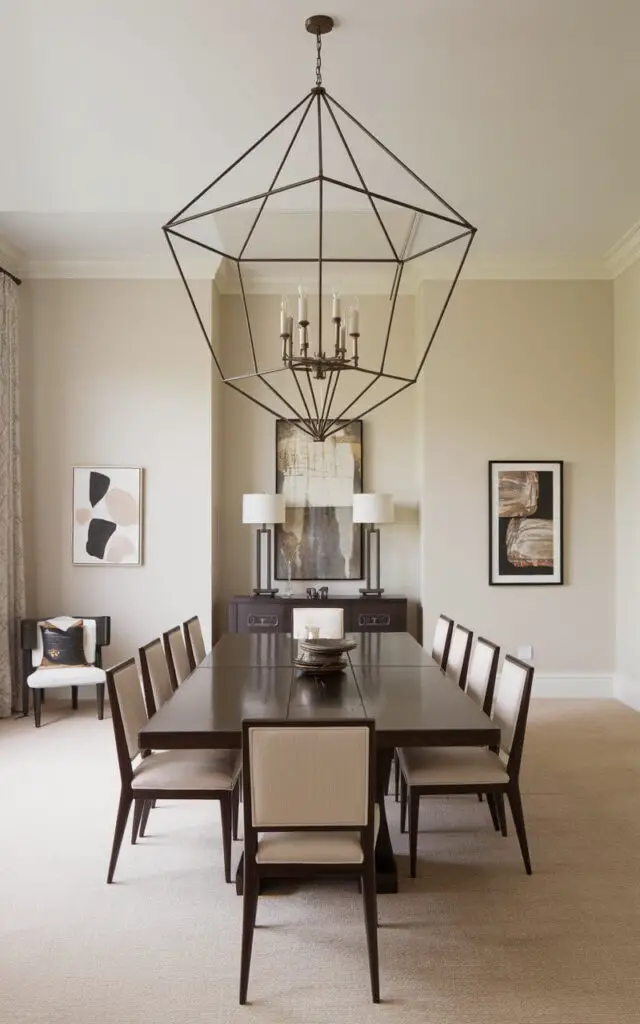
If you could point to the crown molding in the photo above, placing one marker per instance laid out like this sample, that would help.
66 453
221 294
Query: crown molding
149 267
12 258
359 279
625 251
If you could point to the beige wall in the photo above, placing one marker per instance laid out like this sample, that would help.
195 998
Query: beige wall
627 464
522 370
248 454
114 373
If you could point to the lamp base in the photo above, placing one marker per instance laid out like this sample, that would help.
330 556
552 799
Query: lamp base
258 592
373 592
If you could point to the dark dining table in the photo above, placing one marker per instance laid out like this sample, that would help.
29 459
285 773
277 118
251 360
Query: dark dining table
389 678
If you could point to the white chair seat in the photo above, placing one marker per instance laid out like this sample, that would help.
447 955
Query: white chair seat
312 847
451 766
69 675
188 769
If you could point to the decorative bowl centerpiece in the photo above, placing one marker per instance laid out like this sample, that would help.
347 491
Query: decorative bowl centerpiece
322 657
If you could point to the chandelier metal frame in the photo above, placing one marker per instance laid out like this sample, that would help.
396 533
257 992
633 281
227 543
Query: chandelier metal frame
315 415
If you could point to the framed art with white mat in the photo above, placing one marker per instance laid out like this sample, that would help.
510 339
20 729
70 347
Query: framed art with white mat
107 515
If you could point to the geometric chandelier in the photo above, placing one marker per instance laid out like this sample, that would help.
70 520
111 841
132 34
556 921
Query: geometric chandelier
338 213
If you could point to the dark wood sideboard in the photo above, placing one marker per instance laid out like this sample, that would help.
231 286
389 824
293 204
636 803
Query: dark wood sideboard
361 614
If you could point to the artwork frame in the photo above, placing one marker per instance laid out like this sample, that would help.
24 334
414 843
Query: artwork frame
325 544
107 516
526 522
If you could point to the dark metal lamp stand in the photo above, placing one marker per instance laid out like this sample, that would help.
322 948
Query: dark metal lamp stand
370 591
261 591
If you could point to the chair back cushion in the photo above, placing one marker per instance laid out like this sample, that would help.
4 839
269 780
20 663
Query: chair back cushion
193 630
481 668
510 694
177 652
459 652
64 622
308 775
156 664
129 712
442 640
329 622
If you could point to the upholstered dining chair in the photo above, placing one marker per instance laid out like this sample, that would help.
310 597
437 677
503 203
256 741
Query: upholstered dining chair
309 810
96 634
442 641
177 774
196 651
459 654
481 673
156 678
177 660
442 771
328 621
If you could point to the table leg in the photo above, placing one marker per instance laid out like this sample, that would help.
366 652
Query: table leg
386 868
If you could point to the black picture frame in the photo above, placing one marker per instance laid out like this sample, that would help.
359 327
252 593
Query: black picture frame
526 522
310 532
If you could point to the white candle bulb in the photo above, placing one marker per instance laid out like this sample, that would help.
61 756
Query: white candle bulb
283 316
335 306
302 305
289 326
354 320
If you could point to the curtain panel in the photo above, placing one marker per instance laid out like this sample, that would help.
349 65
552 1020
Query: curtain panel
12 588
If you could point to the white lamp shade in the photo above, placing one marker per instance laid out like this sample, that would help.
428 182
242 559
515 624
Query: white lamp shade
263 508
373 508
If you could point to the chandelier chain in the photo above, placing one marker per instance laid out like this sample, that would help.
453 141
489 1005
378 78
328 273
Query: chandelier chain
318 59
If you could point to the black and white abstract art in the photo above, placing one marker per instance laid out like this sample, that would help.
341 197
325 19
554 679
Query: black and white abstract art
107 515
319 540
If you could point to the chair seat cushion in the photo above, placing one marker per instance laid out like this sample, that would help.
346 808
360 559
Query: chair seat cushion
312 847
451 766
188 769
73 675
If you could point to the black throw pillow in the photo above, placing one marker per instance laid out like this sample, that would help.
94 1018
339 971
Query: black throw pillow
62 648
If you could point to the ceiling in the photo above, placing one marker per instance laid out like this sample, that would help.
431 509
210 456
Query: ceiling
521 113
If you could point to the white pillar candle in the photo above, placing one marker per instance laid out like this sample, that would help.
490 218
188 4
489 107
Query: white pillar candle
302 306
335 306
283 317
354 321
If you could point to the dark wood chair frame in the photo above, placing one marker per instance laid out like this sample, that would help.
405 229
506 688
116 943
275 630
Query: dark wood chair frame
29 641
495 792
464 668
147 685
191 654
254 873
169 654
143 799
447 644
487 703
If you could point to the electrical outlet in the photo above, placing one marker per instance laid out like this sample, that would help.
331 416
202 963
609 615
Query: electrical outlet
525 653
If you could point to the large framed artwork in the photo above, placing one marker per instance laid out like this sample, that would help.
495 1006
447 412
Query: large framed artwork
107 515
525 523
318 540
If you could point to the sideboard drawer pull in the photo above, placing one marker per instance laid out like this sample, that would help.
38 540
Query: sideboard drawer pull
374 620
262 620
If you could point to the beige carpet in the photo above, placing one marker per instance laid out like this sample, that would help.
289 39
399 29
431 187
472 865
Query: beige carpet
471 940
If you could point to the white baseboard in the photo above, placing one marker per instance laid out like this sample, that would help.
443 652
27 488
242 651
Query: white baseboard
575 685
627 690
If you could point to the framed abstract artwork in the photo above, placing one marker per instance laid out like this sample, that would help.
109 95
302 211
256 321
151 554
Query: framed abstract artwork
525 523
318 540
107 515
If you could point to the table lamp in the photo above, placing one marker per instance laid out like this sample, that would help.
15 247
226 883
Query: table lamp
263 509
372 509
